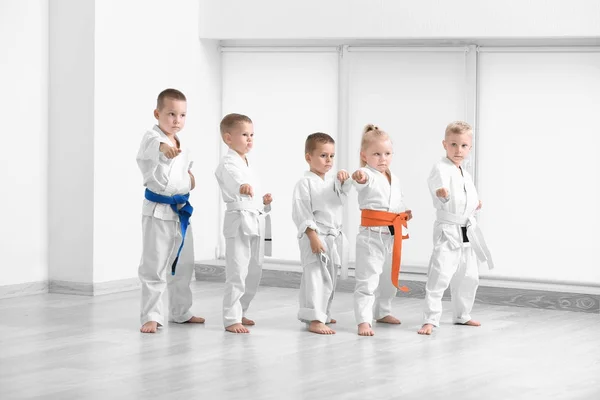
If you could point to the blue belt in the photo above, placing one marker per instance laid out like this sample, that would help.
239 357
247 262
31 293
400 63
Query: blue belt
184 213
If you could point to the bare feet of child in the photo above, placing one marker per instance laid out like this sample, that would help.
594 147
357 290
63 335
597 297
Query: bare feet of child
237 328
389 319
364 329
320 328
471 323
149 327
246 321
195 320
426 329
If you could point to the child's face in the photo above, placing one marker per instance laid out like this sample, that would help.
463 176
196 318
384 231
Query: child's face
171 117
378 154
240 138
457 146
321 158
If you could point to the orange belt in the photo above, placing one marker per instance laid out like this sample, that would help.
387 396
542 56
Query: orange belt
383 218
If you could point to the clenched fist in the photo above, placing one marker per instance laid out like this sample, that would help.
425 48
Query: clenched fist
342 176
359 176
247 189
169 151
267 199
442 192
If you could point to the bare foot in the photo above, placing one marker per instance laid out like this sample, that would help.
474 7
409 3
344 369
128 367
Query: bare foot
389 319
426 329
333 321
246 321
237 328
364 329
149 327
471 323
320 328
195 320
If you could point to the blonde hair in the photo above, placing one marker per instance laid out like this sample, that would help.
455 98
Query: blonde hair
231 120
458 127
370 133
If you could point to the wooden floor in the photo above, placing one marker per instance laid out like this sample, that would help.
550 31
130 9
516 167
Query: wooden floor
72 347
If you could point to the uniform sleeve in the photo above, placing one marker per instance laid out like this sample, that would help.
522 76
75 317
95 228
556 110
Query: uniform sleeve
342 189
152 163
231 178
149 149
360 186
302 212
437 180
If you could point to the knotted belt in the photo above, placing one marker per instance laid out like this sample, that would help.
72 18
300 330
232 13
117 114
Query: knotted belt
184 214
264 226
372 218
339 251
473 233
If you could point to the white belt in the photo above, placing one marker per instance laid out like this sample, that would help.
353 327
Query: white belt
264 225
241 205
340 253
473 233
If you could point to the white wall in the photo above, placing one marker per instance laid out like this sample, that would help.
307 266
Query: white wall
141 48
24 102
364 19
104 63
71 135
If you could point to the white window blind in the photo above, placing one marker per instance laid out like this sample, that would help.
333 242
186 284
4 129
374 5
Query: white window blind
539 173
288 95
412 96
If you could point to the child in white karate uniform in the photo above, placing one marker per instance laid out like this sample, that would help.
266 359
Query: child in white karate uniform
316 210
165 167
378 189
245 225
457 241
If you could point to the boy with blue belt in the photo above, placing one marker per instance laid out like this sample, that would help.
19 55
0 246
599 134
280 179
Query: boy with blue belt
167 241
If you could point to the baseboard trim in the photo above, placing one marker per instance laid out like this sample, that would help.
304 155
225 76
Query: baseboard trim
66 287
23 289
289 277
121 285
93 289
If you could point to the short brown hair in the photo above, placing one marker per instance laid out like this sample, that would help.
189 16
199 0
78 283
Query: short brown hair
231 120
370 133
458 127
168 94
316 138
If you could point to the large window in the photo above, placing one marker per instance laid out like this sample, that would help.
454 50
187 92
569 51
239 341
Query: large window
537 132
539 174
412 95
288 95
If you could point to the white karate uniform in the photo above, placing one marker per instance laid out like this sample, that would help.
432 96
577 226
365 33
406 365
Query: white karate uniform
243 229
317 204
161 233
374 289
452 262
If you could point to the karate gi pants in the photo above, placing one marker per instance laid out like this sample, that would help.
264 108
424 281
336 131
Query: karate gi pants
243 271
160 242
317 285
374 290
457 268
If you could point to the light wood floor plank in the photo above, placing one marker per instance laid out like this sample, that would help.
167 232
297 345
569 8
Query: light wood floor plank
56 346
